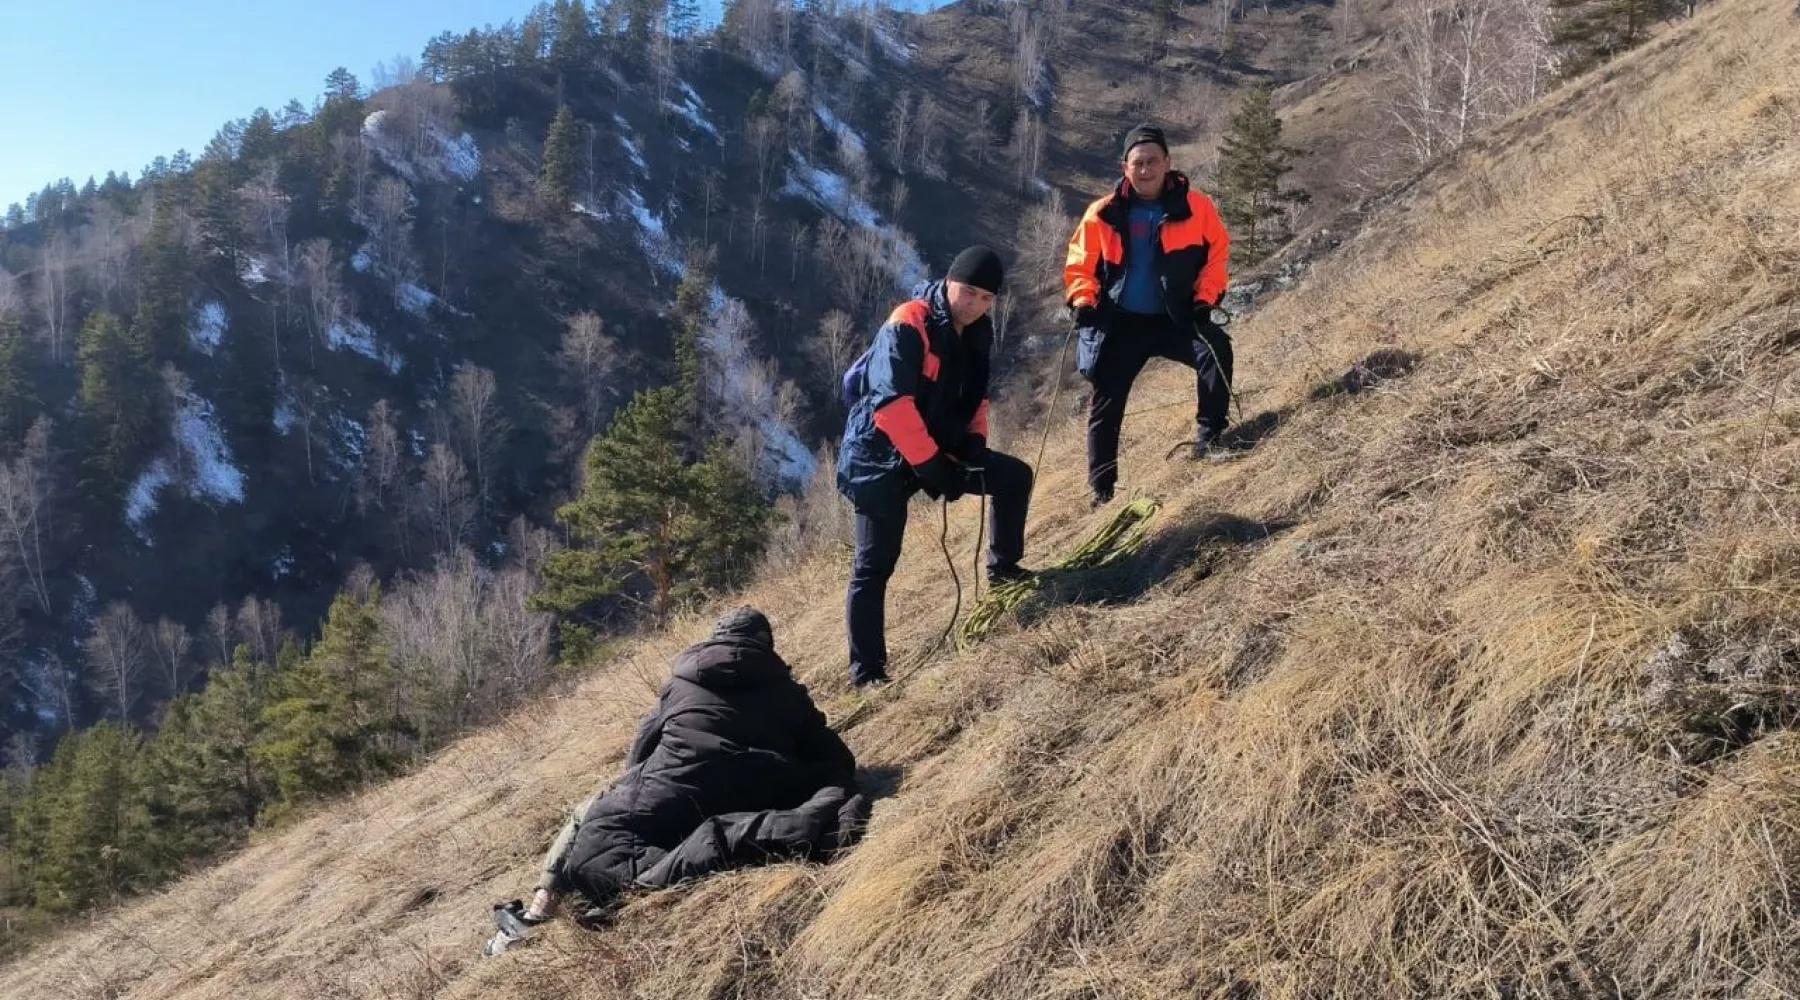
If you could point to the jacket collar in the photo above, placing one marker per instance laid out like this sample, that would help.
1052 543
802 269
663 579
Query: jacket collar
936 296
1174 199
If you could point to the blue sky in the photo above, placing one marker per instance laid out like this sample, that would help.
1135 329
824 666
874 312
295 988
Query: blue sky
88 86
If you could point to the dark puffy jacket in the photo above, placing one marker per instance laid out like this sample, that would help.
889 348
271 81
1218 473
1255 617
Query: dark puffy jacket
733 733
925 388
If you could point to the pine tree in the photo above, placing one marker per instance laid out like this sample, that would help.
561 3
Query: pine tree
1252 162
572 51
207 787
334 721
693 310
258 141
736 519
684 18
651 515
341 85
161 320
11 892
1590 32
18 396
561 160
341 109
119 406
246 397
219 217
93 828
640 16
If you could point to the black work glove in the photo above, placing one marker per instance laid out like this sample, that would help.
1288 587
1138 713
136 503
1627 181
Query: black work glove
1085 316
1203 315
973 450
942 477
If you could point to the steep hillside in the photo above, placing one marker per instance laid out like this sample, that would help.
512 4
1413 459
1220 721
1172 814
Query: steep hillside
1474 676
368 342
371 340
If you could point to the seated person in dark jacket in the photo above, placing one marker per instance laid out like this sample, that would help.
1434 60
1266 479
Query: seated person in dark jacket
735 767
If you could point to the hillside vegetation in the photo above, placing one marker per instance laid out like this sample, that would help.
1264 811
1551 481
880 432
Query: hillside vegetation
1475 676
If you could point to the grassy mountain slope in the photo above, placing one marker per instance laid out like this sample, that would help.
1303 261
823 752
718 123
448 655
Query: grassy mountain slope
1475 676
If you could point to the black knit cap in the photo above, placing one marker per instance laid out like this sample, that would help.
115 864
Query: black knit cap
745 623
1142 134
978 266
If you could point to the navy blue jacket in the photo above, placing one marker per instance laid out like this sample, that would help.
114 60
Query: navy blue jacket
924 390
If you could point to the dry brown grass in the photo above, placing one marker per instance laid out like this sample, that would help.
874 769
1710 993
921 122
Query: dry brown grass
1481 682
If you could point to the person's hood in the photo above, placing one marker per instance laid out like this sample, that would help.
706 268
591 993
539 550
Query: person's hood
730 665
936 297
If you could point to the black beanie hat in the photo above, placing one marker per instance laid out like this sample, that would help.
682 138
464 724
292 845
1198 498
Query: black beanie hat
1142 134
745 623
978 266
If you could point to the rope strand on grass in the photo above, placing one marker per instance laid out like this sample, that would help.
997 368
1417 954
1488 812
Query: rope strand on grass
1117 539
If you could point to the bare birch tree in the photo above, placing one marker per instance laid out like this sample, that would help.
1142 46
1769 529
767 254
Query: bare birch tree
481 427
115 657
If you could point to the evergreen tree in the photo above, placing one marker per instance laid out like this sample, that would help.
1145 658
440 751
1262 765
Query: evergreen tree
651 515
736 520
161 321
119 406
439 60
258 141
693 309
640 16
334 721
1590 32
91 827
341 85
561 160
1252 162
18 396
246 397
207 786
572 50
341 109
219 214
684 18
11 892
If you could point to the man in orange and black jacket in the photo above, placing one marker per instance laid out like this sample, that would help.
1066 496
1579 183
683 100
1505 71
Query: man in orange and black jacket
918 402
1146 267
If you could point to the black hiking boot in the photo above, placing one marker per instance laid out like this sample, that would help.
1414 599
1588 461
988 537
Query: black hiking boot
1009 574
1211 447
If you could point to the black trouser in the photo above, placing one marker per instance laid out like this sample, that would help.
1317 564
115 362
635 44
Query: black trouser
833 818
879 533
1131 342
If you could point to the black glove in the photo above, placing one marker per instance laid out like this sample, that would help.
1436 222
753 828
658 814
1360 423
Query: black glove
1085 316
942 478
973 450
1203 315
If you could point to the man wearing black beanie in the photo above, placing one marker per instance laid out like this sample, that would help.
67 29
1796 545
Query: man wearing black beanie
1145 270
918 402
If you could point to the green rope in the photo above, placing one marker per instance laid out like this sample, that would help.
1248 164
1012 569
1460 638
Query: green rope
1116 540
